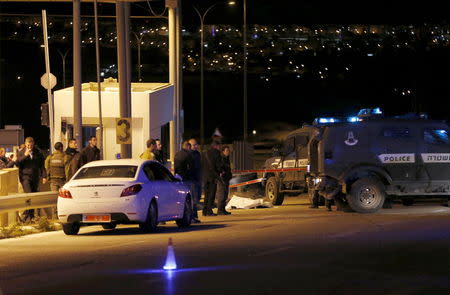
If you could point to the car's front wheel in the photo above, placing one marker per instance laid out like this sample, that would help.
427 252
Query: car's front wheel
185 221
151 222
272 192
71 229
367 195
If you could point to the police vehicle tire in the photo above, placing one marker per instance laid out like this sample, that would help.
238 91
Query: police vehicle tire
71 229
367 195
151 222
272 192
109 226
407 201
185 221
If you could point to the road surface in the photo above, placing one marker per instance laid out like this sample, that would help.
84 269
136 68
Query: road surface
289 249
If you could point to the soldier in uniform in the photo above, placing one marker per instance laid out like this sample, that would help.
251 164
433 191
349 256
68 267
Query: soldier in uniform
55 167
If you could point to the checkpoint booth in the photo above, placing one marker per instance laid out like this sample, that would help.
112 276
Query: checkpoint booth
151 115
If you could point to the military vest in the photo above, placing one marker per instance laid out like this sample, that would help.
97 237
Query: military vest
56 166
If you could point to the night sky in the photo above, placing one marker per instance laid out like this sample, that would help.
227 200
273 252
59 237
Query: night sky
283 99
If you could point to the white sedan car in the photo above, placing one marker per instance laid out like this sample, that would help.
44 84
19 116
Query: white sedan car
124 191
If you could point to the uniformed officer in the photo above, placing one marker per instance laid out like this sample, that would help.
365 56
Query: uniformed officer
54 165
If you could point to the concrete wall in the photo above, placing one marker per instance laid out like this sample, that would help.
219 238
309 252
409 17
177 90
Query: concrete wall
161 110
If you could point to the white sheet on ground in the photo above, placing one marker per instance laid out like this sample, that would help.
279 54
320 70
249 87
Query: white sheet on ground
246 203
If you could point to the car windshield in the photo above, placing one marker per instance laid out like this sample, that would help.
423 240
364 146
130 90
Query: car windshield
107 172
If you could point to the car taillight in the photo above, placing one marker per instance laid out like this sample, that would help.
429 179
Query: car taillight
132 190
63 193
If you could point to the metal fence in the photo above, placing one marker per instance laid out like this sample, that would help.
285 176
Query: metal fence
12 204
242 155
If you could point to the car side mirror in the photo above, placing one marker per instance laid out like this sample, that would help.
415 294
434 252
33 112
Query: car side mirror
178 178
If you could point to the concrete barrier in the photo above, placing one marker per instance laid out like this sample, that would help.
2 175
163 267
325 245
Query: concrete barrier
9 181
10 205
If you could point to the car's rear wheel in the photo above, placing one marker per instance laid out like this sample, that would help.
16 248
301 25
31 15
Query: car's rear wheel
71 229
109 226
367 195
273 193
151 223
185 221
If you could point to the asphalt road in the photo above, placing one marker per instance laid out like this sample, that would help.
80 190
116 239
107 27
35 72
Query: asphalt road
289 249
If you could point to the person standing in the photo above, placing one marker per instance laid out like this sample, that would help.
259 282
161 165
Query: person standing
55 167
224 182
72 160
31 169
183 162
196 178
91 152
4 161
159 153
149 154
211 173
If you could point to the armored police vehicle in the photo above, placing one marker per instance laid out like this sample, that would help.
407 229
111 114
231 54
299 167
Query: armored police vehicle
287 172
368 159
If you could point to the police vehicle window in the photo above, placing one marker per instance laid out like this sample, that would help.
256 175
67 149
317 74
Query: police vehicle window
301 140
149 172
107 172
396 132
436 136
289 145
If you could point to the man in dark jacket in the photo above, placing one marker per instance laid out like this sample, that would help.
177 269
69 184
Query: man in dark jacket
212 168
224 182
91 152
183 162
72 160
159 153
196 178
31 169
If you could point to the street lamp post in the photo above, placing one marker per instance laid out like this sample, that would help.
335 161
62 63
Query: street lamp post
139 41
202 20
244 34
63 57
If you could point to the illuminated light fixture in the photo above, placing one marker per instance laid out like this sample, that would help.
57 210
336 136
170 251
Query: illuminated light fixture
377 111
353 119
327 120
171 263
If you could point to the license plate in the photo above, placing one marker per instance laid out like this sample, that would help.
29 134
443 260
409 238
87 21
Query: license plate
96 217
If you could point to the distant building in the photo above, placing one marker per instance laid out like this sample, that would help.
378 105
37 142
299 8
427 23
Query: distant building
151 112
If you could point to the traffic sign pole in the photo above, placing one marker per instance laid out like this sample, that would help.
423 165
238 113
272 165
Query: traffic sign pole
49 88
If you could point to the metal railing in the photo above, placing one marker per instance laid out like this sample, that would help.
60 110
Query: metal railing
11 204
